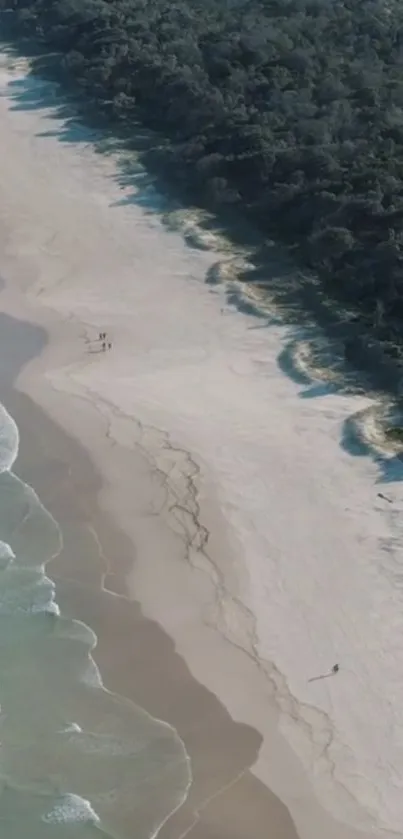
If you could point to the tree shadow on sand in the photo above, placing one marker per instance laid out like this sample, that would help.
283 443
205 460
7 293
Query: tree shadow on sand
359 440
266 285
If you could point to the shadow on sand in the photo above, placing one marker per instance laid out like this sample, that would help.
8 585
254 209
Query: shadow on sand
357 441
267 285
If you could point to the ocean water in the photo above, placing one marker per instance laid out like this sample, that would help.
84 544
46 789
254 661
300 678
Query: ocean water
76 761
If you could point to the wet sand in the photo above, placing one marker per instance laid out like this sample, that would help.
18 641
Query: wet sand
136 657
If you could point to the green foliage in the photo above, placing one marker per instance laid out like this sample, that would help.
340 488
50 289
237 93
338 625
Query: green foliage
291 109
394 434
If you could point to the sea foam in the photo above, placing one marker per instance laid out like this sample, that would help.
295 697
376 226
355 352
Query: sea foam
9 440
71 808
37 697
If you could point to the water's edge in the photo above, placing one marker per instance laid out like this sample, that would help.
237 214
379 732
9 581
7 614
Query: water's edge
32 539
61 472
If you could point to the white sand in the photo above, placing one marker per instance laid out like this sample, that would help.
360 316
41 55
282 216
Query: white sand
304 556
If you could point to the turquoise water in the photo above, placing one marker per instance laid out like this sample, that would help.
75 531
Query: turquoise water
75 760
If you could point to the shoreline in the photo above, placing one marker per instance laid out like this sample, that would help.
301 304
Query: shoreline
143 398
68 484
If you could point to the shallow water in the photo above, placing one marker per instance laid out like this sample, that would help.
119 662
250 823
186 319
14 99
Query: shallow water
75 760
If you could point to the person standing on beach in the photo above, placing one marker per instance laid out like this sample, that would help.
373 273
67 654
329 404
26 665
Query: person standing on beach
335 669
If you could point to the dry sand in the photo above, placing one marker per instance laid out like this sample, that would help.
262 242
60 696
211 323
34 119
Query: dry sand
196 433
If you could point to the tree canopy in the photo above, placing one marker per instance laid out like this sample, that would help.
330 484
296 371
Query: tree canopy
290 110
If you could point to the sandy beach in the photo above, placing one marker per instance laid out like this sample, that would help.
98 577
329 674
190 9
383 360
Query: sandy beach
129 645
234 549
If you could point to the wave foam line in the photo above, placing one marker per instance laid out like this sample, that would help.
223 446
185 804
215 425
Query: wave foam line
9 445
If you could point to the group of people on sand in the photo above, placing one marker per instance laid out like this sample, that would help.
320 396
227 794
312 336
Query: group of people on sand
99 344
105 345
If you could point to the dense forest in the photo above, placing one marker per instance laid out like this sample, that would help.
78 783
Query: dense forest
290 110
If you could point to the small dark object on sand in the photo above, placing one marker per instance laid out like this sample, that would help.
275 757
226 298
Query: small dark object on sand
109 346
335 669
103 346
384 498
